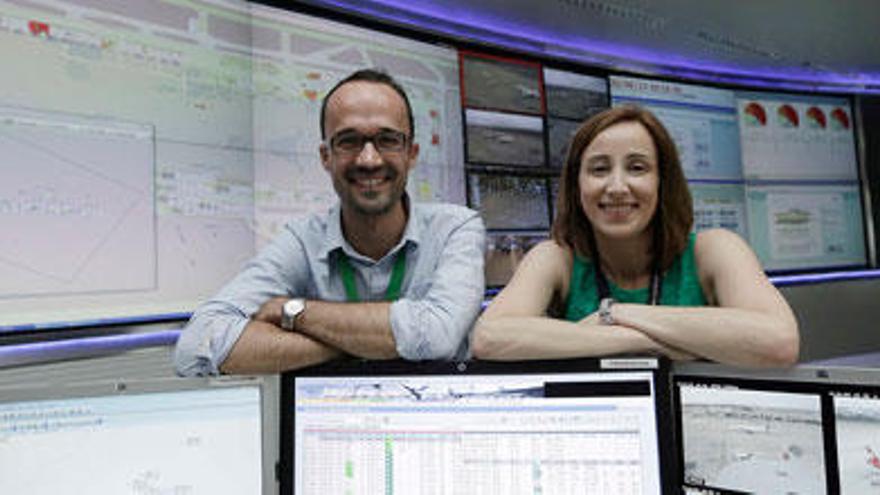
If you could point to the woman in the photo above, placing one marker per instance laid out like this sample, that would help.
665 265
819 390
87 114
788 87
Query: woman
626 273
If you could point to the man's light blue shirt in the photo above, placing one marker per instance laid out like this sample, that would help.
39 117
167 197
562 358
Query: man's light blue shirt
439 300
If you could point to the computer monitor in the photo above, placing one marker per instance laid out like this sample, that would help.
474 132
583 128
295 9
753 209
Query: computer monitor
805 430
533 427
856 411
510 202
748 437
155 436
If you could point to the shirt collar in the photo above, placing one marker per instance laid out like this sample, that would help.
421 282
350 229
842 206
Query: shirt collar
335 240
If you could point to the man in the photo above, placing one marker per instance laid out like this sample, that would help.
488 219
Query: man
376 277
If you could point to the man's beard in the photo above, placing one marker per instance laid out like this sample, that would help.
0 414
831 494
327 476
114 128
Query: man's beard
387 173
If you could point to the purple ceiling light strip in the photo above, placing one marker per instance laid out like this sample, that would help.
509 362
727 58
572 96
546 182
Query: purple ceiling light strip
815 278
79 347
492 30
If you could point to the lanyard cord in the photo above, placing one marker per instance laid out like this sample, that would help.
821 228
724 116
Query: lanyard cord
605 291
393 291
602 282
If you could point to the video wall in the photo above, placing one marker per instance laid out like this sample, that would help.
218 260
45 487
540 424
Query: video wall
150 148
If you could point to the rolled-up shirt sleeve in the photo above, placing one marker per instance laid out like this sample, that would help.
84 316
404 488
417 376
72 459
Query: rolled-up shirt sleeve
216 325
436 325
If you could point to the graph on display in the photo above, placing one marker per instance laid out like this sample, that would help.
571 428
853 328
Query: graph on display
805 140
161 144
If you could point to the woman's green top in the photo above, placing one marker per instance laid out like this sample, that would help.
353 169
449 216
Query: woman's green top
680 286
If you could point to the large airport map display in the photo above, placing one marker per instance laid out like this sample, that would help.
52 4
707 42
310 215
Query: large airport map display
151 147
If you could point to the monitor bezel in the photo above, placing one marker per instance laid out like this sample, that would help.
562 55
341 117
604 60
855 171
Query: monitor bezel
659 368
103 388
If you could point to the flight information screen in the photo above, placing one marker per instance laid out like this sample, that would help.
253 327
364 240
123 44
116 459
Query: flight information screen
499 433
778 169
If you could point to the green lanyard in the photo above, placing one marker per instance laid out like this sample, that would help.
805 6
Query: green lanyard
393 292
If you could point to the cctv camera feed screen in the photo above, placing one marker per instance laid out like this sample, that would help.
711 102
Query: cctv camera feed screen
504 253
574 96
559 135
509 202
857 424
504 139
748 440
150 147
501 84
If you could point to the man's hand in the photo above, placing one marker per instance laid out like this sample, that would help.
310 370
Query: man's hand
270 311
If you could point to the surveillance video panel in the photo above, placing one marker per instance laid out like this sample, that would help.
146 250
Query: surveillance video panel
504 253
574 96
857 427
751 440
559 135
501 84
510 202
504 139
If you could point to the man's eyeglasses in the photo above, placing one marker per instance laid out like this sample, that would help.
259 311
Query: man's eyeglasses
352 142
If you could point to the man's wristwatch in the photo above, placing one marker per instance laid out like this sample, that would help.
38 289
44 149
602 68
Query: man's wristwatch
290 311
605 311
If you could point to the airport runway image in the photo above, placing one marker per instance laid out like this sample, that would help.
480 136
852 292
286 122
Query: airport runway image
754 448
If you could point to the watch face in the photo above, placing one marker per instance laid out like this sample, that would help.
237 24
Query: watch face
289 312
293 307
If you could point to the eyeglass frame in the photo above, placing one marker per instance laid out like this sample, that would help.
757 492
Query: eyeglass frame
407 142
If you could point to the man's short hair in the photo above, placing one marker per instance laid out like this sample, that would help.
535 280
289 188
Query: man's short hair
374 76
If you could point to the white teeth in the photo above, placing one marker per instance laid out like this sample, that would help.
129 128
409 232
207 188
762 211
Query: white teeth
618 208
369 182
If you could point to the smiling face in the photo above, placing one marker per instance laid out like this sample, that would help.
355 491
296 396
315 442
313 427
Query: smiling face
368 182
619 182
